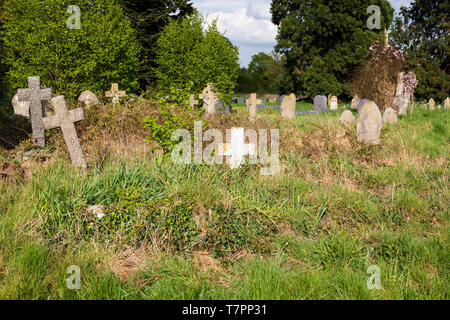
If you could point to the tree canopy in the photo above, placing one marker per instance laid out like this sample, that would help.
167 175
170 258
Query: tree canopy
38 41
324 41
422 31
190 56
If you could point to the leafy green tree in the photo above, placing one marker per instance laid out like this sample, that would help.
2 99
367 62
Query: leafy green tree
38 42
324 41
189 54
149 18
265 70
422 32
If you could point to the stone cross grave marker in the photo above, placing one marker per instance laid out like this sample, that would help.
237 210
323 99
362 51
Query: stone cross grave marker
115 94
237 149
66 120
35 95
252 105
192 101
288 107
209 98
320 103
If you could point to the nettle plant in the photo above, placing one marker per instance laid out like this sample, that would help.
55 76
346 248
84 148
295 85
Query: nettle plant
175 112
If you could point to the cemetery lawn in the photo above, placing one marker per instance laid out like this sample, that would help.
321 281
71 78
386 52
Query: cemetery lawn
208 232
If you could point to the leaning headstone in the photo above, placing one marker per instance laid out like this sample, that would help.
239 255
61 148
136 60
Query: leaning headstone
192 101
347 116
66 120
34 94
369 124
334 103
115 94
88 98
432 104
320 103
209 97
288 107
355 102
447 103
390 116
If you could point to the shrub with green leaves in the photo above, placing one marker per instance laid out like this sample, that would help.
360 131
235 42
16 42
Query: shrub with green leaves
38 42
189 53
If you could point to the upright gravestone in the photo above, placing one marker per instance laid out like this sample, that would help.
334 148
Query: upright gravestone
333 103
390 116
432 104
209 97
34 94
355 102
369 124
288 107
66 120
320 103
347 116
447 103
400 101
115 94
88 98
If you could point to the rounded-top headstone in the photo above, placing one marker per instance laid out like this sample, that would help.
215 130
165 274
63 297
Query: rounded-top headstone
369 124
320 103
347 116
88 98
432 103
390 116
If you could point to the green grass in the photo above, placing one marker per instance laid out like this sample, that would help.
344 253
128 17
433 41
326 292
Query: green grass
310 233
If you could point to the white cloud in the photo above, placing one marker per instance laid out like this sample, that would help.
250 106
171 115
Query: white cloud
246 23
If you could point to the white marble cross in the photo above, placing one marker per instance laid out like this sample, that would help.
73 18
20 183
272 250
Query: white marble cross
66 120
237 149
115 93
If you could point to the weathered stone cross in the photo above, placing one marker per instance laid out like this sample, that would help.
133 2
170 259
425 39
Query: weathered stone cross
35 95
192 101
209 97
252 104
237 149
66 120
115 94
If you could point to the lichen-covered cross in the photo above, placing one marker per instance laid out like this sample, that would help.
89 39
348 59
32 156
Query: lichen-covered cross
35 95
209 97
66 120
115 94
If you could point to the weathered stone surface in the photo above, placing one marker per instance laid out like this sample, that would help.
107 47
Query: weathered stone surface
66 120
88 98
288 106
347 116
356 99
369 123
252 105
210 99
192 101
334 103
447 103
390 116
432 104
115 94
22 108
320 103
34 94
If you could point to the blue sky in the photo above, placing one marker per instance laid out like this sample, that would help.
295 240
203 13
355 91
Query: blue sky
247 23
